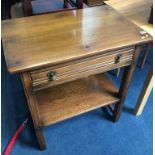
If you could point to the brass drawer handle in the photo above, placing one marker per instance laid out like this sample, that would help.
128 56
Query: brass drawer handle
51 75
117 58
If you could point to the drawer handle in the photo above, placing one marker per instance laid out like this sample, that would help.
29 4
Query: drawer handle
51 75
117 58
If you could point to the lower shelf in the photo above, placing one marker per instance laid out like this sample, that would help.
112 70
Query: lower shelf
70 99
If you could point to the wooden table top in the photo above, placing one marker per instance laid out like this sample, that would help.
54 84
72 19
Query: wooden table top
43 40
137 11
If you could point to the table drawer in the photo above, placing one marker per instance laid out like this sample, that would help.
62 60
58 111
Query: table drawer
59 74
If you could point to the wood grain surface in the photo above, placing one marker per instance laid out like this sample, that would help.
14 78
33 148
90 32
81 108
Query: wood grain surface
67 100
40 41
137 11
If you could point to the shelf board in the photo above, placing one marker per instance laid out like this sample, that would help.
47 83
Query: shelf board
70 99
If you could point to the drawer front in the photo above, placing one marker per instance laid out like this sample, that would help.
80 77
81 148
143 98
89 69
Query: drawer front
59 74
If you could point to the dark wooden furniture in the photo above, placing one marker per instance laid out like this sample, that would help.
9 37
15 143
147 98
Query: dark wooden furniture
6 8
60 57
35 7
94 2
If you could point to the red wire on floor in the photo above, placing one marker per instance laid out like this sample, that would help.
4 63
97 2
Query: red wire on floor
14 138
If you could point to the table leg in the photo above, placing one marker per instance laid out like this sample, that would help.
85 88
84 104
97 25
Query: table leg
146 50
148 85
79 4
40 138
146 53
65 3
118 72
33 107
27 7
128 72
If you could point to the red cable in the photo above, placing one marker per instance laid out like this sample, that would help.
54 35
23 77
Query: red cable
14 138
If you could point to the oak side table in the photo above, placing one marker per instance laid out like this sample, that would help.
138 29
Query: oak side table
61 56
